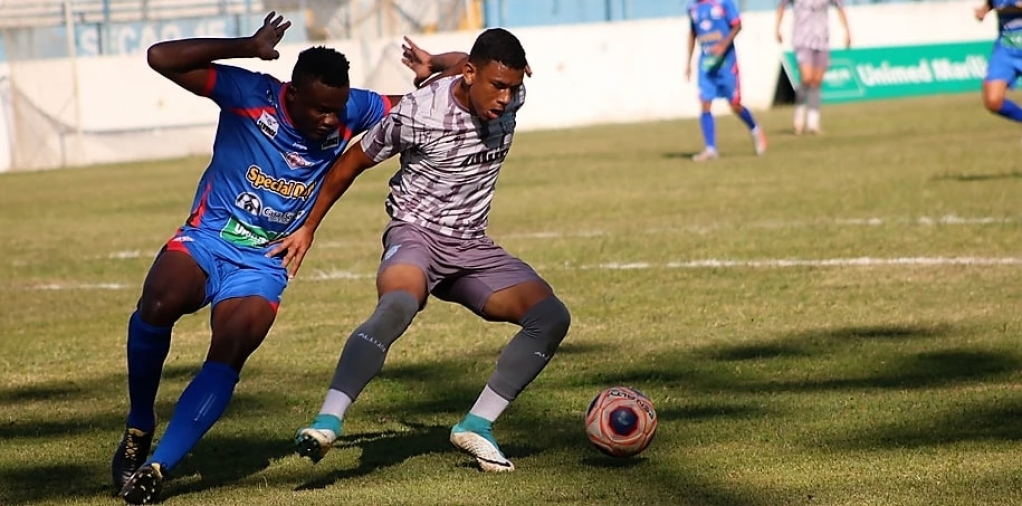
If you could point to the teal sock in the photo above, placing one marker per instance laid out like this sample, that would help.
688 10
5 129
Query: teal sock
328 422
473 423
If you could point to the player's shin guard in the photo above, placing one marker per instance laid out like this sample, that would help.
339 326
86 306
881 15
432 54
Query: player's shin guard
543 328
367 347
200 406
1010 110
147 350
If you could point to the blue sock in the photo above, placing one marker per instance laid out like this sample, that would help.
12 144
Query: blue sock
200 406
706 122
747 118
1010 110
147 349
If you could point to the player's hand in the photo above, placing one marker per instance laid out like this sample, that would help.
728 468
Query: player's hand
718 49
292 249
981 12
780 38
417 59
268 36
688 72
848 40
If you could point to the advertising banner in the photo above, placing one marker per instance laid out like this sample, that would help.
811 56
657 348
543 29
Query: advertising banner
901 71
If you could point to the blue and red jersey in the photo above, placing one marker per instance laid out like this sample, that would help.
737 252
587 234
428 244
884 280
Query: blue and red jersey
1009 26
264 175
712 21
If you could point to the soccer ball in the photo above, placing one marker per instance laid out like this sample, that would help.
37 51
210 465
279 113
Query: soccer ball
621 422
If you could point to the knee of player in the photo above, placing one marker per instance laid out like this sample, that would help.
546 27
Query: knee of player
993 102
159 310
550 317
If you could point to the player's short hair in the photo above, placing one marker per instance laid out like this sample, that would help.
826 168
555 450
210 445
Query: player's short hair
321 64
498 44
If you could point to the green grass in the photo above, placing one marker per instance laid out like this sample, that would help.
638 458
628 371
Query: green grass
808 384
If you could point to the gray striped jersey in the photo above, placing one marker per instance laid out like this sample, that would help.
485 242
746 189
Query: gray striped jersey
450 159
811 23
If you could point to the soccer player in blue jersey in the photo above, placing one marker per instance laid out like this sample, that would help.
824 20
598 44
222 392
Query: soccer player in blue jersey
714 24
274 144
1005 65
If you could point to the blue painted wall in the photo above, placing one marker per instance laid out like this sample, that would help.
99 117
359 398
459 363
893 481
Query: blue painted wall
517 13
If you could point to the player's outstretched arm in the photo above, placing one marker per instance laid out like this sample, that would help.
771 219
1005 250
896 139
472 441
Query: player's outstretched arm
425 64
841 16
187 61
780 16
294 247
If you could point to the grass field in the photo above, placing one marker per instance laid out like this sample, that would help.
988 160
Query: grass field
835 323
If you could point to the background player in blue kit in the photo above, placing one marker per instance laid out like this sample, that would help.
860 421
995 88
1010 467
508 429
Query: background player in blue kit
714 24
1005 65
273 145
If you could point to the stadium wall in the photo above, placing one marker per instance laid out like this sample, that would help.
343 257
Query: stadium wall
583 74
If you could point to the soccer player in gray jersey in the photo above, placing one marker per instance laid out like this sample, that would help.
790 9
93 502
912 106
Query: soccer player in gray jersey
453 135
811 42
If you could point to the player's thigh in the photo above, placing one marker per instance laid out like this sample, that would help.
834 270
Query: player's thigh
407 262
245 307
177 284
497 286
728 88
707 88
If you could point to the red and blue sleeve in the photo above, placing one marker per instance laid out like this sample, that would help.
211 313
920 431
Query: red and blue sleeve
731 13
229 86
365 108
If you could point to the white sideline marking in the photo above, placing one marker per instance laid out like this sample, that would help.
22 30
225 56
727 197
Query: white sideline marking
125 255
710 263
714 263
926 221
335 274
81 286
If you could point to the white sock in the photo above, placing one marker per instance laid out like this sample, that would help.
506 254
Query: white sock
336 404
800 116
813 119
489 405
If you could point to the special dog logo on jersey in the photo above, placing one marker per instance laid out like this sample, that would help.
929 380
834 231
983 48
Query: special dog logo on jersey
268 124
333 140
295 160
288 188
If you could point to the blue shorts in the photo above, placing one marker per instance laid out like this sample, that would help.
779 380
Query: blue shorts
720 83
1003 66
232 271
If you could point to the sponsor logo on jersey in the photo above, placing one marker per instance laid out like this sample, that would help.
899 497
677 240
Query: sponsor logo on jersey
249 202
295 160
716 12
491 156
288 188
333 140
243 234
282 217
268 124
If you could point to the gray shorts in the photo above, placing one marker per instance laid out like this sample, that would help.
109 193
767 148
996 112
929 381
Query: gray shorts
816 58
465 271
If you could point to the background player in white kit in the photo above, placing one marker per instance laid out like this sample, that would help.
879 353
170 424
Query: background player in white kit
811 43
452 135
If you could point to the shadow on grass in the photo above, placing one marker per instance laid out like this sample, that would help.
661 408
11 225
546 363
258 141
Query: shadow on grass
222 460
51 484
964 177
967 423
